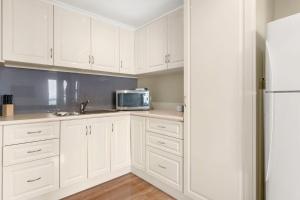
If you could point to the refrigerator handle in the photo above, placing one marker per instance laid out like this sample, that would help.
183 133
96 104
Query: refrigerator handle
269 131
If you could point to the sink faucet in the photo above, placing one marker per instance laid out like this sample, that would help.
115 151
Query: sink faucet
83 106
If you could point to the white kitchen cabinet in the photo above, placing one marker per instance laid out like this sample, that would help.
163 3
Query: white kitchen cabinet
73 152
157 45
138 134
29 180
120 143
105 47
175 39
126 51
72 39
215 123
99 147
28 31
140 51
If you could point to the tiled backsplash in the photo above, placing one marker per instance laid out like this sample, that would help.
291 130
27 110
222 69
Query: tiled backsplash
43 91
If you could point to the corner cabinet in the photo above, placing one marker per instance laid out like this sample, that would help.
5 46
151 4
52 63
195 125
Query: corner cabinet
126 51
105 51
28 31
138 138
71 39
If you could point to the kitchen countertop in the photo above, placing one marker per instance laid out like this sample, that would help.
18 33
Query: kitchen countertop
48 117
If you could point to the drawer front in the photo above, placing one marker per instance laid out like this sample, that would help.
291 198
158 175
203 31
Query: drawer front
167 168
165 127
17 134
29 180
21 153
164 143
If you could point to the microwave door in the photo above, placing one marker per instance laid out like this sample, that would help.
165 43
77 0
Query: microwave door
132 101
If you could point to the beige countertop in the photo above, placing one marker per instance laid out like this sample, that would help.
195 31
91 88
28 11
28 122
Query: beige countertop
46 117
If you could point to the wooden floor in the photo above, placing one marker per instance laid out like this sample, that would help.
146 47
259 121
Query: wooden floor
128 187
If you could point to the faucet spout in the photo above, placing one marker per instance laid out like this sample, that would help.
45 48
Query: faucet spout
83 106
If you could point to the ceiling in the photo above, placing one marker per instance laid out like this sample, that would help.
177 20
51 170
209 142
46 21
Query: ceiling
130 12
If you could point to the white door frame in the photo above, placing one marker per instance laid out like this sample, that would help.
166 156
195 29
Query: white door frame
247 92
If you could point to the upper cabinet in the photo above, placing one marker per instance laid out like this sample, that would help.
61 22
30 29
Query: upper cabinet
71 39
141 51
160 45
157 45
38 32
105 47
28 31
126 51
175 39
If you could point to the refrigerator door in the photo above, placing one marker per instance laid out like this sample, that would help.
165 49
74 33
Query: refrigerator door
283 146
283 55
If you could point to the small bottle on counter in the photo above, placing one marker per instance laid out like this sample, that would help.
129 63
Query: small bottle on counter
7 106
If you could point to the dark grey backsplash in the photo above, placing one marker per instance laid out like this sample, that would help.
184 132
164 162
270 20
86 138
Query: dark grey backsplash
47 91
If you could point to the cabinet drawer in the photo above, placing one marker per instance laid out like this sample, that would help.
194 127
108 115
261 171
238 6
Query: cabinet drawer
16 134
30 151
166 167
25 181
165 127
164 143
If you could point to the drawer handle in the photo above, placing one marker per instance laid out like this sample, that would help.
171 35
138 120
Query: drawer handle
163 167
33 132
161 143
35 151
159 126
34 180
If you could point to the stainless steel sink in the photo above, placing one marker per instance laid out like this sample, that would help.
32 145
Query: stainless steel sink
89 112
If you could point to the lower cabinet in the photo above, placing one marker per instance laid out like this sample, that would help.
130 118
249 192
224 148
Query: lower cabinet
28 180
138 137
73 152
93 147
166 167
120 143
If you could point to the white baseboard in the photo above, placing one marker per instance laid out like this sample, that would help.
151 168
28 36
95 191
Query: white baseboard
68 191
165 188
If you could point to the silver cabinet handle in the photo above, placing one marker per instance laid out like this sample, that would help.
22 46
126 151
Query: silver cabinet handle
86 130
121 63
34 180
34 151
90 60
51 53
33 132
161 166
160 126
90 130
93 60
162 143
166 58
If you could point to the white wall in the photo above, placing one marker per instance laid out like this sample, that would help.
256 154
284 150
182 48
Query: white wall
265 14
284 8
165 89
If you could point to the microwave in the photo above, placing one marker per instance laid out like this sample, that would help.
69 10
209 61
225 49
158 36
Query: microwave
133 99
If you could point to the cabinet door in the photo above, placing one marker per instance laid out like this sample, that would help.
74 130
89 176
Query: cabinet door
28 31
120 143
99 147
175 39
126 51
141 51
157 45
138 142
73 152
105 47
71 39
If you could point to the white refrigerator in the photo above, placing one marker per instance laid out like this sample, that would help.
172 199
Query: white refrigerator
282 110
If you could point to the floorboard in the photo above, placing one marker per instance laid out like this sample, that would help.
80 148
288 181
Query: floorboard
128 187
